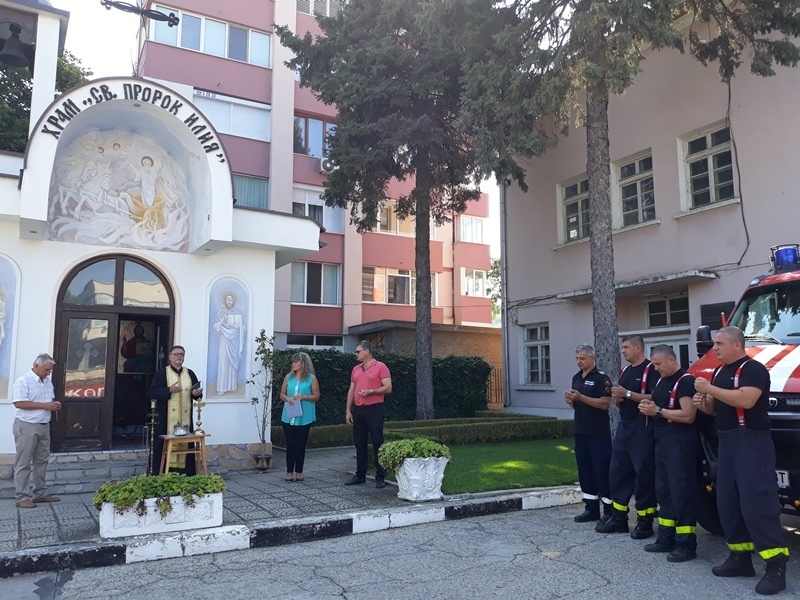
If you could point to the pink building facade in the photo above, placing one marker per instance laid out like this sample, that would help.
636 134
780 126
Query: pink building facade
702 187
225 57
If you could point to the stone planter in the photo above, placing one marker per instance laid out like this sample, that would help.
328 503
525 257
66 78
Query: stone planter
420 479
206 512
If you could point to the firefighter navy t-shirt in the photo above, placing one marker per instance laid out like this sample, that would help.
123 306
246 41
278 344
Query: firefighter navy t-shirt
663 391
753 374
588 419
631 379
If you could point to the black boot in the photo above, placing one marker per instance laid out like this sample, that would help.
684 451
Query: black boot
774 579
616 523
682 554
738 564
643 529
592 512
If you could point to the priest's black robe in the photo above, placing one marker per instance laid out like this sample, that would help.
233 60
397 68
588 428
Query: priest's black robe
159 391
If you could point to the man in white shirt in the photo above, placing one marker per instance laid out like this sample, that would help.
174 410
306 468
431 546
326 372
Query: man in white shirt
34 400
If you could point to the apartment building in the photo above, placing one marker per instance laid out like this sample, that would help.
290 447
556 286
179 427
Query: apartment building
702 187
225 57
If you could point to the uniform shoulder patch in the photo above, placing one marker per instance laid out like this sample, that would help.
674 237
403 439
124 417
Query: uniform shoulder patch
602 372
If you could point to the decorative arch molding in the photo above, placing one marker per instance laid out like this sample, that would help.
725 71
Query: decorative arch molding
134 164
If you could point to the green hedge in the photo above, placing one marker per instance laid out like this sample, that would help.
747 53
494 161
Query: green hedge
504 431
459 384
458 433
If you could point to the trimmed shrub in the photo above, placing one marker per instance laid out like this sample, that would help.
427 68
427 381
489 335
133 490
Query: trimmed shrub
445 431
459 384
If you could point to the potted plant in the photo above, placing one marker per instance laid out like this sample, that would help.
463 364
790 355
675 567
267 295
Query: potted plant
261 380
159 503
419 465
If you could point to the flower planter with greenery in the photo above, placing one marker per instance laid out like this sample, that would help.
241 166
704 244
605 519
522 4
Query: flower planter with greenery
159 503
419 465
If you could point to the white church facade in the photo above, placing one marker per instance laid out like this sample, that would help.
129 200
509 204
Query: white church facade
119 238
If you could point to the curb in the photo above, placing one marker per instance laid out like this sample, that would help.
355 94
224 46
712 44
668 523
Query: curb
285 531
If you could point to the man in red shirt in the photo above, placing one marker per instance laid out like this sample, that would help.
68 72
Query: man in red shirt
370 381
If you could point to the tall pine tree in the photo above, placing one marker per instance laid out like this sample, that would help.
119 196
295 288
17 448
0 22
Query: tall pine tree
393 69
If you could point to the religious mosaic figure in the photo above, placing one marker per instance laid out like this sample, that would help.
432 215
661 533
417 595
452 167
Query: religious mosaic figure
231 329
117 188
3 315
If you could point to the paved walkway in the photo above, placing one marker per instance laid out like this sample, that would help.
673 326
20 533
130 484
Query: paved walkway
250 497
259 509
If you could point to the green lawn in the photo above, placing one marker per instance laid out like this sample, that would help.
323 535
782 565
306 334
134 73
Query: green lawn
510 466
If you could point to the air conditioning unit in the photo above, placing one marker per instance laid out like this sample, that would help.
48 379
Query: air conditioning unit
326 165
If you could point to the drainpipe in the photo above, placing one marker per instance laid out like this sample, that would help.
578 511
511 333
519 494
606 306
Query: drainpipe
504 293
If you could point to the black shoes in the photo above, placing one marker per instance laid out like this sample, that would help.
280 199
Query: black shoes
355 480
643 529
587 516
774 579
613 524
380 482
738 564
659 547
681 554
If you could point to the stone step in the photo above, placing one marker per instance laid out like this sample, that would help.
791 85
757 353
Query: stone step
78 481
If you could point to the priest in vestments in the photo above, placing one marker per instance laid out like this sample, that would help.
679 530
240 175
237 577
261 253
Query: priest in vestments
173 389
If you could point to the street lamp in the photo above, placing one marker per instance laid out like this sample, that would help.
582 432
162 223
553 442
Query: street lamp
171 19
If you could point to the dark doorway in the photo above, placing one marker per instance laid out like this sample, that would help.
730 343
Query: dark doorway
113 326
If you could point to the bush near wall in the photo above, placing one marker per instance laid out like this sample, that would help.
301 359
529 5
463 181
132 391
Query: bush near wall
446 431
459 384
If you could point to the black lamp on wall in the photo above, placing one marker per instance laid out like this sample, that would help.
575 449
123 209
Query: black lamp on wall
170 19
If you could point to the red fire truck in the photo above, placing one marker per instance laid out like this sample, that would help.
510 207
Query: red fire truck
769 315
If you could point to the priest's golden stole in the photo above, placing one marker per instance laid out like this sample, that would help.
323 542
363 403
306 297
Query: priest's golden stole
179 410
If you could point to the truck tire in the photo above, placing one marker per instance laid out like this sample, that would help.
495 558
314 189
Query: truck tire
707 513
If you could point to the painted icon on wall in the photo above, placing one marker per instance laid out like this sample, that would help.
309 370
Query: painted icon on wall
137 348
118 188
227 343
8 294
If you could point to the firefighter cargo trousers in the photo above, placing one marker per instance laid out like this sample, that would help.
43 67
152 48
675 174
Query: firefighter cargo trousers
747 493
676 485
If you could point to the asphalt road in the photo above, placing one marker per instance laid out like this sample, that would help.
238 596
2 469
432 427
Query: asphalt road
530 554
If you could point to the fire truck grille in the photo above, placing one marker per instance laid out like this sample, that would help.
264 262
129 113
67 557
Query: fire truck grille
784 403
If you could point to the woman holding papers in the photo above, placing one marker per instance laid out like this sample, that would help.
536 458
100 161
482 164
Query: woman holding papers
300 393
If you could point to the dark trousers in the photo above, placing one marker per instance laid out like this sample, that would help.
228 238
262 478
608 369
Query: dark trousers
367 421
593 455
633 467
747 493
296 439
676 485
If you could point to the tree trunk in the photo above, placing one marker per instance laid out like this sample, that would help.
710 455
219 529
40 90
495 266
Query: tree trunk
601 246
422 259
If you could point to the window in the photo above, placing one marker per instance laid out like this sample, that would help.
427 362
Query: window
537 354
303 340
252 192
710 167
471 229
315 283
214 37
475 283
391 286
389 223
668 312
233 116
311 135
636 191
307 202
326 8
576 211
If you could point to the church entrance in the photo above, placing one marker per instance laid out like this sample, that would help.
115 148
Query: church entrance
114 322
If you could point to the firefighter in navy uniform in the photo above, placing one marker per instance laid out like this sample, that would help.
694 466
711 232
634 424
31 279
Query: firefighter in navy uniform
673 408
747 490
632 471
590 397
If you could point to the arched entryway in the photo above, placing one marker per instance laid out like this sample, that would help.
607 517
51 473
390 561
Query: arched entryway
114 321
